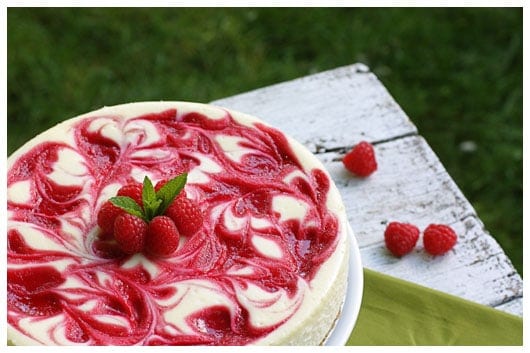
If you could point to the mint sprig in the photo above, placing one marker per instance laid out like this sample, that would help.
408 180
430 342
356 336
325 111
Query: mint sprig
128 205
154 203
149 200
170 190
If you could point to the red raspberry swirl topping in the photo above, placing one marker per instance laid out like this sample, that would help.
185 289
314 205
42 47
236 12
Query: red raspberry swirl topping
265 233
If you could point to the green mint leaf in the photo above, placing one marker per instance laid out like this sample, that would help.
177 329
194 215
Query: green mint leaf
170 190
128 205
149 199
151 208
148 190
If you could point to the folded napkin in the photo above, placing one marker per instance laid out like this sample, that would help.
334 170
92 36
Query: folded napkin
395 312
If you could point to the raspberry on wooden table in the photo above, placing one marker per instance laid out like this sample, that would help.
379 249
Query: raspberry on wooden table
361 159
401 238
438 239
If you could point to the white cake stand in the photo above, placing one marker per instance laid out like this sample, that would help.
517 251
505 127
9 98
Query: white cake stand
352 304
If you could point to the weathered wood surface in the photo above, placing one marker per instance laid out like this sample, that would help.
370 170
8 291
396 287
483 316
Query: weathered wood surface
331 111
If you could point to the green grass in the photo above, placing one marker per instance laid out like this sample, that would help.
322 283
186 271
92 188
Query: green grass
456 72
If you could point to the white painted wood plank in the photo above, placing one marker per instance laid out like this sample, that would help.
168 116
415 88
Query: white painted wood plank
411 185
331 111
327 110
514 307
485 276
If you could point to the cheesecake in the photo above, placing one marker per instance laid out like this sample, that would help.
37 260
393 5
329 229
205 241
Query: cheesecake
268 265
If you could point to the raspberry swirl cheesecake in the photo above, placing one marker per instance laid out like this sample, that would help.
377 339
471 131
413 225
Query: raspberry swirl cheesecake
266 263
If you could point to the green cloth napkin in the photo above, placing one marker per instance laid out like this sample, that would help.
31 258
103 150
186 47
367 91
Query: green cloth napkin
395 312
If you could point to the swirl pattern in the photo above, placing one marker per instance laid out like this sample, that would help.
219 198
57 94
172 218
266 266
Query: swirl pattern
267 231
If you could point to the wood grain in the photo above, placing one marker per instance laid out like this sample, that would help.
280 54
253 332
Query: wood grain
331 111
